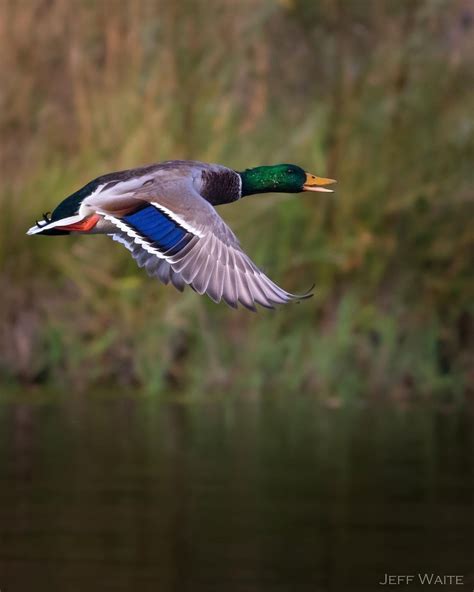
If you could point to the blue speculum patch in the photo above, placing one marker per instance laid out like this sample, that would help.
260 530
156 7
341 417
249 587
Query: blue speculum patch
160 230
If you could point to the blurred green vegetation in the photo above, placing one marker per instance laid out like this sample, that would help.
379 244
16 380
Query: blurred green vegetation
375 94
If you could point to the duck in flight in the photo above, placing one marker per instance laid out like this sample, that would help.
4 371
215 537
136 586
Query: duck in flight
164 214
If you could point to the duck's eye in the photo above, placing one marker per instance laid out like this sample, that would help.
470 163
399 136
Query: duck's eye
290 171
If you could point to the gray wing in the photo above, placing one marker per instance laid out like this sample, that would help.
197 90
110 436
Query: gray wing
208 257
214 265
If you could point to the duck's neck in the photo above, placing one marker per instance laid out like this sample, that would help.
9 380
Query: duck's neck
225 186
221 186
257 180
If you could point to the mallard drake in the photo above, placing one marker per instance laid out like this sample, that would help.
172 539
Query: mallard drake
164 215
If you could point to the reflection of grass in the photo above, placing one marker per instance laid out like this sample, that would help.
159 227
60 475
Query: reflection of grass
389 251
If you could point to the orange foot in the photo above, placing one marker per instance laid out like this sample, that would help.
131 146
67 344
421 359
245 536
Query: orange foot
83 226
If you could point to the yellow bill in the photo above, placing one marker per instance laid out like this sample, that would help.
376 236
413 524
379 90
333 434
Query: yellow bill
314 183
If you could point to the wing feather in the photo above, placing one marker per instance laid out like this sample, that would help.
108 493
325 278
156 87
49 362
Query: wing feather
205 255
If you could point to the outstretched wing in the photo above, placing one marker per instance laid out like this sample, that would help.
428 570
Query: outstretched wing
207 255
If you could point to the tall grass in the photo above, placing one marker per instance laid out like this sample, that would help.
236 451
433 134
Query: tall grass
375 94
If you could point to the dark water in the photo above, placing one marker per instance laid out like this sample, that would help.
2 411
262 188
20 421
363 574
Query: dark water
127 493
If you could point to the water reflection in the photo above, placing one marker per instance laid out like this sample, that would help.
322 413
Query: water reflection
126 493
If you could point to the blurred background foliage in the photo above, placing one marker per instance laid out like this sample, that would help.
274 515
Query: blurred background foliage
377 94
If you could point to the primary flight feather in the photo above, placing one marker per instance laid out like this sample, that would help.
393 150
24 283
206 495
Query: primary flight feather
164 214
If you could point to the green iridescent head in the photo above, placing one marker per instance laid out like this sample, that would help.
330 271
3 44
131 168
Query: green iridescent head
281 178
